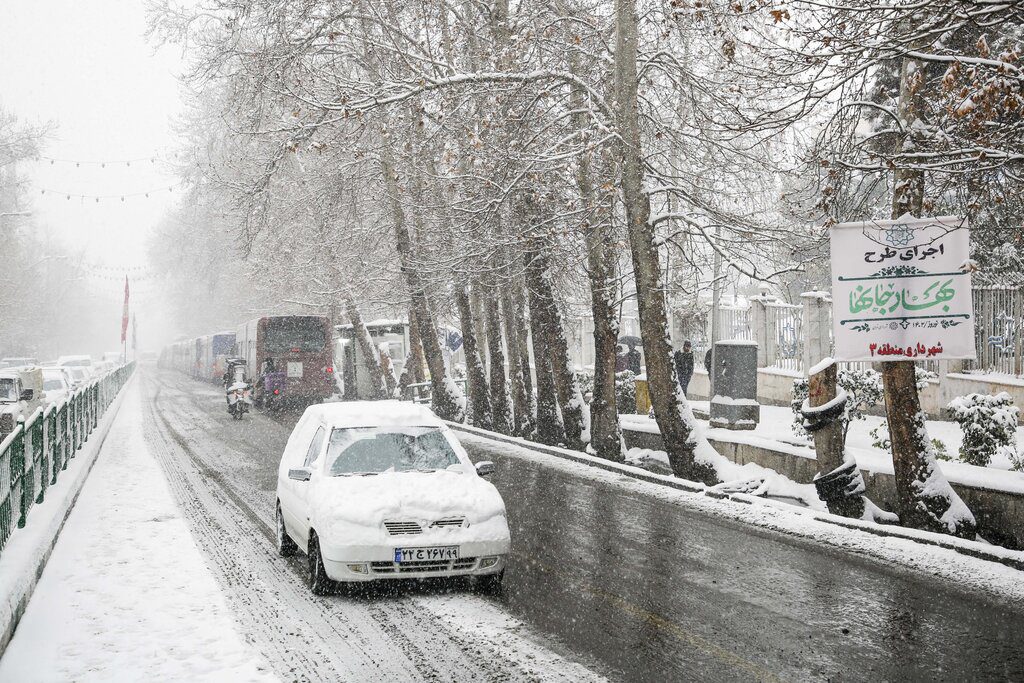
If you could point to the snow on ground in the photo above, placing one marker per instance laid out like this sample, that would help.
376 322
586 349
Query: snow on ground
126 594
777 424
775 431
992 578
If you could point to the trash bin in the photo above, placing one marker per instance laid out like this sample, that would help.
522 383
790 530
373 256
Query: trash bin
734 405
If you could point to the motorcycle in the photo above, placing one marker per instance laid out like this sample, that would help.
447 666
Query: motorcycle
237 388
239 399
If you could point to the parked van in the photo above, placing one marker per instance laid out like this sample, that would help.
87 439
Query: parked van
21 393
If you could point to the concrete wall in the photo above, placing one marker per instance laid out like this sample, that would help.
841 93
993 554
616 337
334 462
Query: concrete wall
774 386
1000 514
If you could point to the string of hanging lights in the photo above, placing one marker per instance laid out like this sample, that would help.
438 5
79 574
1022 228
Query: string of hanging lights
99 197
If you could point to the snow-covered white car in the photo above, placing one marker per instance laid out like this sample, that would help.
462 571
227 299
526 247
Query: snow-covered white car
57 383
83 363
383 490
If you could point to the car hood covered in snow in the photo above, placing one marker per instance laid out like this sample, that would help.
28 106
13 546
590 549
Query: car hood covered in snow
356 507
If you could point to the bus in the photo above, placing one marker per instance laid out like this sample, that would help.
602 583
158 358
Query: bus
293 354
212 350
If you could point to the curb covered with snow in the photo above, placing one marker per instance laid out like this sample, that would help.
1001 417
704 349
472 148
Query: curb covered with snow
1009 558
26 553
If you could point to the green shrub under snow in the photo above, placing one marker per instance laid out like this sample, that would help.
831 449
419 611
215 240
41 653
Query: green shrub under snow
625 392
989 424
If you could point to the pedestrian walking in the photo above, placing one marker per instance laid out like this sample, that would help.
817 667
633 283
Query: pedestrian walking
683 360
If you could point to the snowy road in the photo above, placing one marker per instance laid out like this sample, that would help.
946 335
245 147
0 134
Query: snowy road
603 581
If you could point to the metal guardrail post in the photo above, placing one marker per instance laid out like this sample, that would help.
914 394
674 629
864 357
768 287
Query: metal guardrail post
53 443
39 459
18 473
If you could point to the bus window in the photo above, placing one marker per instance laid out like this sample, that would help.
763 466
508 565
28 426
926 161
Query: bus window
302 334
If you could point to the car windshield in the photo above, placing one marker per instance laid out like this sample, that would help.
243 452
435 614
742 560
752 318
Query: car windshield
374 450
77 362
52 385
8 389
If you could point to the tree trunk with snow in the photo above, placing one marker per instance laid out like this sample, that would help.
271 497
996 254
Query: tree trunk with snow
925 500
415 363
446 398
479 410
501 400
549 428
605 432
567 390
371 359
670 410
522 415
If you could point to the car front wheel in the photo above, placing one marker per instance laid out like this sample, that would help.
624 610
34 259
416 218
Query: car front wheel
285 545
319 583
490 584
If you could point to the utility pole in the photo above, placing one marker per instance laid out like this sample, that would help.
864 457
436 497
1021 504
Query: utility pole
716 302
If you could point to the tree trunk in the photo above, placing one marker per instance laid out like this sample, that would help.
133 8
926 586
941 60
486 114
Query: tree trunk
605 432
417 374
479 411
501 400
371 359
670 409
549 428
522 413
925 500
446 398
567 390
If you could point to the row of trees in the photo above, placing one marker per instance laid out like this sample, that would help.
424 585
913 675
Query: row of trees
489 164
43 308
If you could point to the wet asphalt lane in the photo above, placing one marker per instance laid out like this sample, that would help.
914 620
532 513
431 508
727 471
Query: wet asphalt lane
649 590
659 592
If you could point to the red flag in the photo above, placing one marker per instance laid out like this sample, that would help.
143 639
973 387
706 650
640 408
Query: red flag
124 315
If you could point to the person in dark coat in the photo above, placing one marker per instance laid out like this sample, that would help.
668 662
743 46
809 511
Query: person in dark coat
633 363
707 361
684 365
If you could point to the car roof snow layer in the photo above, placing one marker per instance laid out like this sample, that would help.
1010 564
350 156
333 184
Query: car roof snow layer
373 414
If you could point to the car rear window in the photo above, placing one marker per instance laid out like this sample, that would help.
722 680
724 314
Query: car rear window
375 450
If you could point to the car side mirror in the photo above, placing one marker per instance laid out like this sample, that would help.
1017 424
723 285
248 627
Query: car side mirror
299 473
485 468
27 394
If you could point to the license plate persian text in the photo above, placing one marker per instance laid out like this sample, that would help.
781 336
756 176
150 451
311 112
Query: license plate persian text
439 554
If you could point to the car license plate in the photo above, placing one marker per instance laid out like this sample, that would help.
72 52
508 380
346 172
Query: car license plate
295 369
440 554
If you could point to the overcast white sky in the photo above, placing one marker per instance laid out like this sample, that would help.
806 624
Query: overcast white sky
85 65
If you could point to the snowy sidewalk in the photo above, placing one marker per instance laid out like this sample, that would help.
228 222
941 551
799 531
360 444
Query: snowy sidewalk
126 594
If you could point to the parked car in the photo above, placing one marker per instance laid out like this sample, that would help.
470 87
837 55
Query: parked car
383 490
57 384
79 375
84 362
21 393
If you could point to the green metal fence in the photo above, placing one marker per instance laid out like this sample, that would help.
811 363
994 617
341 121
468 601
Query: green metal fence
38 450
